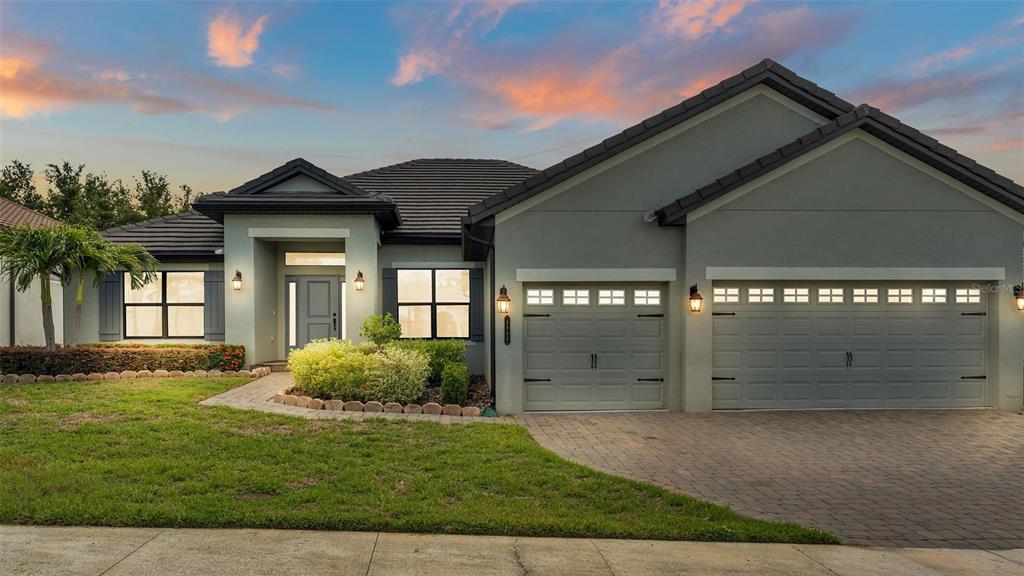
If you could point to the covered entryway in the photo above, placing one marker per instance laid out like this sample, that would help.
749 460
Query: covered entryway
849 345
594 346
313 309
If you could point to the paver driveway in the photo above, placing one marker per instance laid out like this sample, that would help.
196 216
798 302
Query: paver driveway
950 478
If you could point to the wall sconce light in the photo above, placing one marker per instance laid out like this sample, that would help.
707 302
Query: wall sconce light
696 300
504 306
236 282
1018 296
360 283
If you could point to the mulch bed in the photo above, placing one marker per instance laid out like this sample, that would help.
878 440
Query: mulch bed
479 393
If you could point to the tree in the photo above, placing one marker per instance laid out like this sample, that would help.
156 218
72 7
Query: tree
87 252
64 200
17 184
153 195
106 204
28 254
185 202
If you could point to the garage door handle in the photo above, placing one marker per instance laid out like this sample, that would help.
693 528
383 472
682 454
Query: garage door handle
723 313
722 378
536 379
650 315
973 314
536 315
974 377
650 379
593 361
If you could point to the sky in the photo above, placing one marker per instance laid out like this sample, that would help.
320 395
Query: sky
213 94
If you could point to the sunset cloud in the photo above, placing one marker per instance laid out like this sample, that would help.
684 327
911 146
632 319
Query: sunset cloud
693 19
229 43
896 94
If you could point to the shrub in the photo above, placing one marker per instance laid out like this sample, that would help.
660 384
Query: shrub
381 329
341 370
400 375
119 357
440 353
455 383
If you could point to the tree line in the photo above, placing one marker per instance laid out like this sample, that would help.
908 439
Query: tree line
81 198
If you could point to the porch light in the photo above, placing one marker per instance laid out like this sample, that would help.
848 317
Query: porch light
360 283
696 300
504 302
1018 296
236 282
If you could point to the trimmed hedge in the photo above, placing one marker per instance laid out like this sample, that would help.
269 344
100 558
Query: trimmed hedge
440 353
119 357
455 383
341 370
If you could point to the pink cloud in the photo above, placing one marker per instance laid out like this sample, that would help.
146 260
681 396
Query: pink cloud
1006 145
894 94
693 19
229 43
417 64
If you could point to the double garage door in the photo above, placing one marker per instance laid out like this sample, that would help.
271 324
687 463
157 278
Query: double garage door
594 346
843 344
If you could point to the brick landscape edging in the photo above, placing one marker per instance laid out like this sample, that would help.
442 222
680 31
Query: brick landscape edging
390 407
133 374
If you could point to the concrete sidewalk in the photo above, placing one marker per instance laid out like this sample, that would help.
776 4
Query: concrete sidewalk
32 550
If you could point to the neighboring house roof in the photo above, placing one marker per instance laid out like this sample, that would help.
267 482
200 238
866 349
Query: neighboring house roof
876 123
14 214
434 194
767 72
188 236
341 197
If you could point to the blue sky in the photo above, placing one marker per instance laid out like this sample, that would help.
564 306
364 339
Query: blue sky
213 94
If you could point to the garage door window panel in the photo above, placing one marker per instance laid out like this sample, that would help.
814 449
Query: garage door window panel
540 297
433 303
968 295
576 297
726 295
865 295
761 295
647 297
796 295
933 295
611 297
830 295
901 295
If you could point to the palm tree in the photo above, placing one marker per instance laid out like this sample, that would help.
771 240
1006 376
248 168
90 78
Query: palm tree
87 252
27 254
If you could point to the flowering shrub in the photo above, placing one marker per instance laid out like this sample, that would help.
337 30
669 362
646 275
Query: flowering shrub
338 369
119 357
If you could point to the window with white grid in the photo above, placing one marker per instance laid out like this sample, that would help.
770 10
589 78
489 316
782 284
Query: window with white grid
830 295
865 295
724 295
647 297
796 295
968 295
933 295
901 295
576 297
760 295
540 296
611 297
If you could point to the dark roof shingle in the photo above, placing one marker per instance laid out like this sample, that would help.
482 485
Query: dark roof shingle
14 214
188 236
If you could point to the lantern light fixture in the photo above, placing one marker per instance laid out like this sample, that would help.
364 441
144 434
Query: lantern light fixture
504 302
696 300
236 282
1018 296
360 282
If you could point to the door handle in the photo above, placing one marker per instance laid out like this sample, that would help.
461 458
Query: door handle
849 359
593 361
334 320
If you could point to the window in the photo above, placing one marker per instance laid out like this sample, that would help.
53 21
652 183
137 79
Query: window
647 297
901 296
433 303
726 295
933 295
968 295
796 295
760 295
830 295
576 297
865 295
611 297
314 258
540 296
169 307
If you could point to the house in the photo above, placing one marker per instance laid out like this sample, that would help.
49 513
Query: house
763 244
21 313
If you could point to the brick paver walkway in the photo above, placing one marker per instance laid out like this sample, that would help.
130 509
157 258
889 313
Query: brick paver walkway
258 395
942 478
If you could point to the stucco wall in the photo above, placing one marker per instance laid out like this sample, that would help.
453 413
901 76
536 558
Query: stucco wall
28 315
597 220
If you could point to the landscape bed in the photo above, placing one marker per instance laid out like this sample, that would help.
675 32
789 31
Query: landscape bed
145 453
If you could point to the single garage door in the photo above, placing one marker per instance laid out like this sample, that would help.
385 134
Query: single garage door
594 347
848 345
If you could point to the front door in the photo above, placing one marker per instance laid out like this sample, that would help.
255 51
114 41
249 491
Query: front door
314 306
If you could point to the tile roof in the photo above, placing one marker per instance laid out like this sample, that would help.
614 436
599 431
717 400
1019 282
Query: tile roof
767 72
876 123
188 236
433 194
14 214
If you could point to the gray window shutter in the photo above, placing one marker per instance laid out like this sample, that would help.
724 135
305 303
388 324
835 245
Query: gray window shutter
389 280
213 307
476 304
111 302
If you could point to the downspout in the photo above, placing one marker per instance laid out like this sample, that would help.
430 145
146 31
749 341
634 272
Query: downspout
13 331
494 360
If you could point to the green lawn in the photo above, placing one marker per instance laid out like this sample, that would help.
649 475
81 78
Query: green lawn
144 453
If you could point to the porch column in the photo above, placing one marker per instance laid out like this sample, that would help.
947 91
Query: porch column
361 256
239 305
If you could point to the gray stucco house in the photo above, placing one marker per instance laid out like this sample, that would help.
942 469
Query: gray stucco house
837 258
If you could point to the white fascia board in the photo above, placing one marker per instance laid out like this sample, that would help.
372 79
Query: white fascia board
852 274
595 274
300 233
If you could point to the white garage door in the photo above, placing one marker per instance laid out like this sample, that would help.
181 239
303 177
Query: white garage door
842 344
594 347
